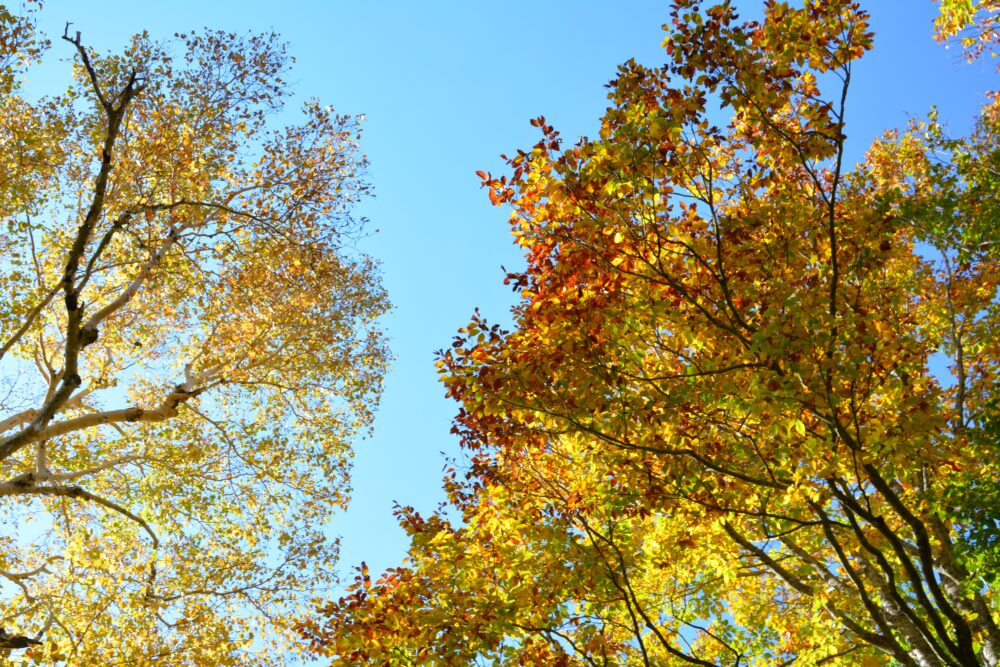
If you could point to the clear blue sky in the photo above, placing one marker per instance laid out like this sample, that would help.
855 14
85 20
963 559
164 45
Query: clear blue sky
447 87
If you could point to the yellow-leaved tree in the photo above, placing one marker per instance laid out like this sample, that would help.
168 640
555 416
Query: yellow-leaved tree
715 434
188 345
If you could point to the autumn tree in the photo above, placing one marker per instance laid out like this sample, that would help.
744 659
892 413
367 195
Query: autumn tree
976 24
713 436
188 347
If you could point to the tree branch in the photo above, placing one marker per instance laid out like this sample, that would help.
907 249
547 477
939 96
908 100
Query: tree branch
81 494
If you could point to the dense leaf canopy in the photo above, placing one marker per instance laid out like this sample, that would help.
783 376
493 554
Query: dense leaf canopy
188 347
713 435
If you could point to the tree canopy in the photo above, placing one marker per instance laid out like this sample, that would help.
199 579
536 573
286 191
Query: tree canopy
974 22
716 433
188 347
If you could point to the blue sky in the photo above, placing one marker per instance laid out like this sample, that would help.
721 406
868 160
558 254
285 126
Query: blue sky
446 87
